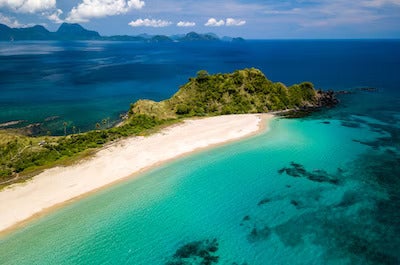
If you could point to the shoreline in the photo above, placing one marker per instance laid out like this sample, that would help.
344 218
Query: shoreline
125 159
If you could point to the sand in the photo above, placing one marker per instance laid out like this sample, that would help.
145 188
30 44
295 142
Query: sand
118 161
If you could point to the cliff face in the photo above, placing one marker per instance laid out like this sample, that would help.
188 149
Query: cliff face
243 91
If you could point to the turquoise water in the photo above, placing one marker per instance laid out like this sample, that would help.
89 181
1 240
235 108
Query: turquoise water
297 194
324 189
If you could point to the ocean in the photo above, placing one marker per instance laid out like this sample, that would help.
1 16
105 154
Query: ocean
323 189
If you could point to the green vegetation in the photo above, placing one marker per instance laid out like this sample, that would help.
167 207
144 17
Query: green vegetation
28 155
244 91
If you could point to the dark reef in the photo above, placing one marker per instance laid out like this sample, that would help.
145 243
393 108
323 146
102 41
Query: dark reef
196 252
298 171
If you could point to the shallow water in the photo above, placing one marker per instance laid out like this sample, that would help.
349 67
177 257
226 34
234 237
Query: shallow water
318 190
309 191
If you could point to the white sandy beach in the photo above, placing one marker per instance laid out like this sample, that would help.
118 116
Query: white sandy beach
118 161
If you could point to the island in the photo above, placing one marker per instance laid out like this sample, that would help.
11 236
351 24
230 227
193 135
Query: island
74 32
207 111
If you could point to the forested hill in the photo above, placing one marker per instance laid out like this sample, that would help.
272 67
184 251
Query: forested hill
243 91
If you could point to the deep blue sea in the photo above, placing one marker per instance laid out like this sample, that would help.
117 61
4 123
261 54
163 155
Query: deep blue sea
323 189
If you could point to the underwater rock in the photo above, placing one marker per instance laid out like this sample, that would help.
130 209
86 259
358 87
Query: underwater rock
343 92
368 89
51 118
294 203
196 252
11 123
372 144
263 201
259 234
289 232
350 124
298 171
246 218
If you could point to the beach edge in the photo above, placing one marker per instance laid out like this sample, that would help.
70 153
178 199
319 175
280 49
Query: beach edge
22 203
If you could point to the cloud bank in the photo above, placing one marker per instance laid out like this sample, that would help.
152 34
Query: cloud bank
101 8
10 21
28 6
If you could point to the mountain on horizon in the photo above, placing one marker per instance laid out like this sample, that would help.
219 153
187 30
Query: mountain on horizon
65 32
193 36
37 32
72 32
76 32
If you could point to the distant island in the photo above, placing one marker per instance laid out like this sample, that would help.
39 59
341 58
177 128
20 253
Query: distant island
243 91
72 32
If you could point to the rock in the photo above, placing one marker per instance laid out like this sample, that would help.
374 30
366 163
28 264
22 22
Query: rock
263 201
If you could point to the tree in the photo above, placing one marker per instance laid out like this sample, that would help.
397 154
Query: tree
202 75
182 109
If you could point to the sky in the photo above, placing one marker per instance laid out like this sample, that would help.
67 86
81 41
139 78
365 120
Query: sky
251 19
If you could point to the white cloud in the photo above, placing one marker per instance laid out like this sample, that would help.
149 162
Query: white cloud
235 22
9 21
186 24
55 17
136 4
28 6
149 23
101 8
212 22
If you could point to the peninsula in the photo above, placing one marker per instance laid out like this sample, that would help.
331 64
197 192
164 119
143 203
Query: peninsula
242 92
152 133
